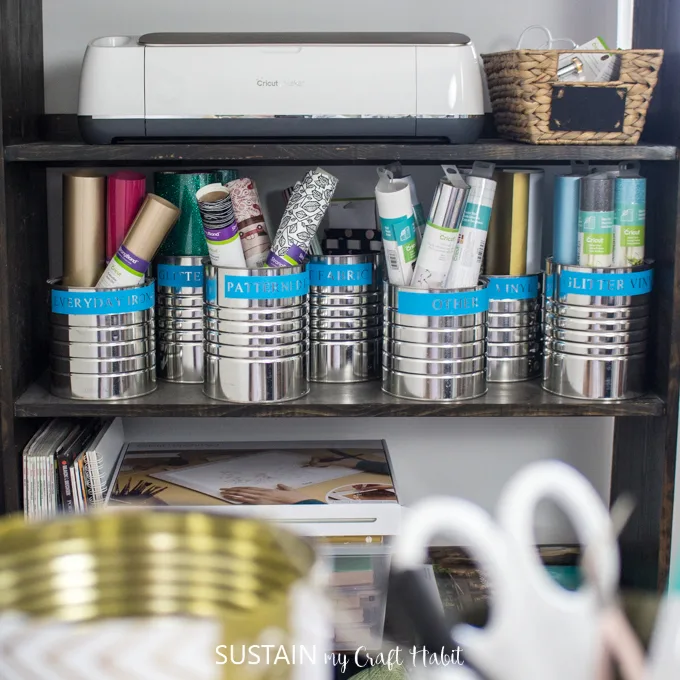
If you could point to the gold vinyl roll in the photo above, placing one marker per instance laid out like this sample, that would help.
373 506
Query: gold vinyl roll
154 220
84 222
506 247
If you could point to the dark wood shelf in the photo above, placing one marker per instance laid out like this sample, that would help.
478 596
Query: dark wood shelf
62 153
361 399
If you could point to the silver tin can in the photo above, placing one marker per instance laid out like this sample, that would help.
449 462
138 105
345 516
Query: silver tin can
174 313
515 320
103 387
445 388
179 324
347 299
595 338
321 323
143 331
109 350
256 315
179 301
564 289
513 369
102 366
413 321
513 306
501 350
598 313
597 325
165 336
434 367
179 275
345 336
345 312
256 340
228 287
505 335
594 350
333 274
256 381
436 352
601 378
345 362
253 328
269 352
103 320
435 336
181 362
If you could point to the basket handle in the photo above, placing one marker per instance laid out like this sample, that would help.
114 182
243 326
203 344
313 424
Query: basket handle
546 45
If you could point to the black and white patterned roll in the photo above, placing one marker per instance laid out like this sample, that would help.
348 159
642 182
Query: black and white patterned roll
303 215
220 227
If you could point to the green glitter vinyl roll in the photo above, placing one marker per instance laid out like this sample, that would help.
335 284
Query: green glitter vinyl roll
186 237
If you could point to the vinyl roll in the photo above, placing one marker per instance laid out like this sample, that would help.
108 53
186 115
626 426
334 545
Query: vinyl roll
629 221
186 238
125 194
418 212
84 222
565 219
251 223
302 217
596 222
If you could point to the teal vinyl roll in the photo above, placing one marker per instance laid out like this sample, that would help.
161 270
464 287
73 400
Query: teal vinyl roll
186 237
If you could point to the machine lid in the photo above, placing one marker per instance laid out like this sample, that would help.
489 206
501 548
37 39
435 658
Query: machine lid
206 39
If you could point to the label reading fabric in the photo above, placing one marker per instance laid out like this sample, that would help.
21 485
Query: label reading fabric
266 287
179 276
442 304
513 287
581 283
340 275
103 301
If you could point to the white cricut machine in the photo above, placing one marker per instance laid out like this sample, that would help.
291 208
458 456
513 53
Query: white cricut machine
197 85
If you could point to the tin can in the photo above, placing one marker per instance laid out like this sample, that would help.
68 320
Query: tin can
181 362
345 362
446 388
513 368
103 386
435 352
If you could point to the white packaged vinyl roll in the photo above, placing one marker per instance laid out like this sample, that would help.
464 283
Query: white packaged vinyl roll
418 212
395 210
469 253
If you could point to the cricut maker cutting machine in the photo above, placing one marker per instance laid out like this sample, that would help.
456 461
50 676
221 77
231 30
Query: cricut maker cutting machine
198 85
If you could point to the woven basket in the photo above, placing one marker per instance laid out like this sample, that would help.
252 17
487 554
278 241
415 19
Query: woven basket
521 86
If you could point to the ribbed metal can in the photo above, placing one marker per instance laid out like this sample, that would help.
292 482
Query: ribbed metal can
179 311
103 343
345 318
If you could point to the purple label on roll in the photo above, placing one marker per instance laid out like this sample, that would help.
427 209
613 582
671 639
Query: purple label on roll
131 262
223 235
293 256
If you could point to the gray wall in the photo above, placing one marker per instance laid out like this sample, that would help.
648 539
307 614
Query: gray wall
469 457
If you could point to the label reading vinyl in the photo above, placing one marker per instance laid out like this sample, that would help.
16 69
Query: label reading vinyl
513 287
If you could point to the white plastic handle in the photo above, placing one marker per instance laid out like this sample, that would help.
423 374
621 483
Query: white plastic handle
550 42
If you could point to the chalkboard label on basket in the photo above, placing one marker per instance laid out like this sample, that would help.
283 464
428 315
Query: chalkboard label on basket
612 285
513 287
179 276
442 304
266 287
80 302
340 275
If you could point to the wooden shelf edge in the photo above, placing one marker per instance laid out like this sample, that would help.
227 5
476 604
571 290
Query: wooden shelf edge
341 401
66 153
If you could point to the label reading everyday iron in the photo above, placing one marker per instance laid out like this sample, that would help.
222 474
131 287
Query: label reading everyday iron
103 301
513 287
179 276
614 285
265 287
442 304
340 275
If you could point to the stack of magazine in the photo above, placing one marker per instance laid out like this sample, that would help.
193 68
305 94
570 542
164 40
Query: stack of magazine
61 469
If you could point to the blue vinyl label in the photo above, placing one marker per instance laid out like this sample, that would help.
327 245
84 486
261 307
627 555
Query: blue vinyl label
103 301
513 287
179 276
266 287
442 304
340 275
581 283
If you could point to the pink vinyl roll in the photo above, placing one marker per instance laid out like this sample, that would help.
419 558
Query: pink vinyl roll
251 225
126 192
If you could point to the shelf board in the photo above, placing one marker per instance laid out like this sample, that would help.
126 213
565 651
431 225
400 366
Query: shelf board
63 153
358 400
